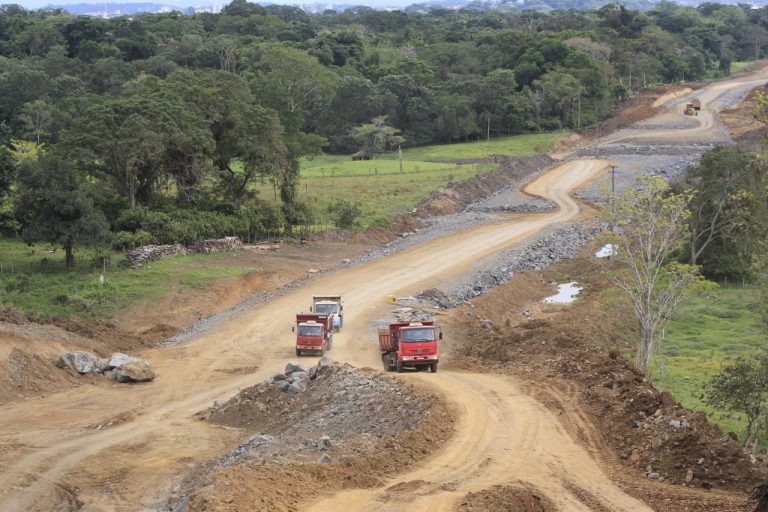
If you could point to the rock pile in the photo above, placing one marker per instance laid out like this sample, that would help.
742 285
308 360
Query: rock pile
120 367
559 245
330 407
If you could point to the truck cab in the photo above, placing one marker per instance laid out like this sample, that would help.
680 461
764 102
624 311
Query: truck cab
314 333
331 305
409 345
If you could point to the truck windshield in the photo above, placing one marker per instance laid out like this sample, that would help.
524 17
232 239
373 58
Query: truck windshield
326 308
310 330
424 334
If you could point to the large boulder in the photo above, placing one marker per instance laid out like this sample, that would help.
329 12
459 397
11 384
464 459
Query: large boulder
293 367
134 371
82 362
120 359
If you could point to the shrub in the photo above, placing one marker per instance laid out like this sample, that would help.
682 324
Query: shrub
262 218
345 214
125 240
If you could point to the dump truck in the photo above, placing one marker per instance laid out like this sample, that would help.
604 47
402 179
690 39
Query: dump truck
314 333
409 345
692 108
330 305
696 104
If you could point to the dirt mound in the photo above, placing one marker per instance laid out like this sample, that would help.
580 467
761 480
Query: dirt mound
456 196
111 338
744 129
506 498
349 429
642 105
11 316
578 346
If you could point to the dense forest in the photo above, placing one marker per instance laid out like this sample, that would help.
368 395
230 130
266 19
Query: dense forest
155 128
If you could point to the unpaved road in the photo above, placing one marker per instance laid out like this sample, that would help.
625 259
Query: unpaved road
503 435
120 447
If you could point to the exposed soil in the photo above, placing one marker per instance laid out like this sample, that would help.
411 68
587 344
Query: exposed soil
347 430
456 196
536 393
745 130
576 350
506 498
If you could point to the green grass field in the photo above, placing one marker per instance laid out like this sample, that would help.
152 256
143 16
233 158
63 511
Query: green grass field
49 290
705 334
382 190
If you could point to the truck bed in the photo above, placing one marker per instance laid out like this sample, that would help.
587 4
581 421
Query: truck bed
385 341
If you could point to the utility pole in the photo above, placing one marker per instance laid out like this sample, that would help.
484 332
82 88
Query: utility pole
630 79
400 156
613 180
488 130
578 119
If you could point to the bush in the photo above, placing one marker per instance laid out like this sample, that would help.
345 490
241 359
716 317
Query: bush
261 218
125 240
176 226
345 214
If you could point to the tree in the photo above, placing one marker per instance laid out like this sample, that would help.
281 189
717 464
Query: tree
138 138
53 207
36 115
742 387
723 199
247 137
375 137
648 222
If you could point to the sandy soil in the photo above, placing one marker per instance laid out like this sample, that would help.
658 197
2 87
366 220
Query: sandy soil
117 447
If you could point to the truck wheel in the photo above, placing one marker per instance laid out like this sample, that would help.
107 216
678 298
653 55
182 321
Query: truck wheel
329 345
399 367
433 367
385 363
298 353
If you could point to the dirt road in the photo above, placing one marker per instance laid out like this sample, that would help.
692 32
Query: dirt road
121 447
113 445
504 435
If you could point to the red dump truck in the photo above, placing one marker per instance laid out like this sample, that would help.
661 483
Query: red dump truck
409 344
314 333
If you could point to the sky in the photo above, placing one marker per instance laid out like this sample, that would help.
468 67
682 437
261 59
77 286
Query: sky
37 4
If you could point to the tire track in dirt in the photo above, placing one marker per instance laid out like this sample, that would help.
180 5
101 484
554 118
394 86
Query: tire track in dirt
503 435
57 448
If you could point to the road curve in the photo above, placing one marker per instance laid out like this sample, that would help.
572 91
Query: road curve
503 436
70 440
119 447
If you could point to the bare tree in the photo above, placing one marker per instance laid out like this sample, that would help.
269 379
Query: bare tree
648 223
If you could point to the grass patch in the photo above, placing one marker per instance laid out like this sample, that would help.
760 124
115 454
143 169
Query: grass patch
34 280
381 189
704 335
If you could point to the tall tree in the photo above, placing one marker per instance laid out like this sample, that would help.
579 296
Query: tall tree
648 223
53 207
726 187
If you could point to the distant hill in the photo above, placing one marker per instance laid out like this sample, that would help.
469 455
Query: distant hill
108 9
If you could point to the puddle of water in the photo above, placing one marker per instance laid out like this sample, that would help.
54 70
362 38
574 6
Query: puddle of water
605 251
566 294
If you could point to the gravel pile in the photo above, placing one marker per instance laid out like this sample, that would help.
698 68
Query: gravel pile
342 409
558 245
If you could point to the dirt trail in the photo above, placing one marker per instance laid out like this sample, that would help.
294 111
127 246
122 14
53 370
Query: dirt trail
55 441
120 447
503 434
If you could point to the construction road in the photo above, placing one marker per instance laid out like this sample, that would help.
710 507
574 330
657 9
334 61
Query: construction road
120 447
